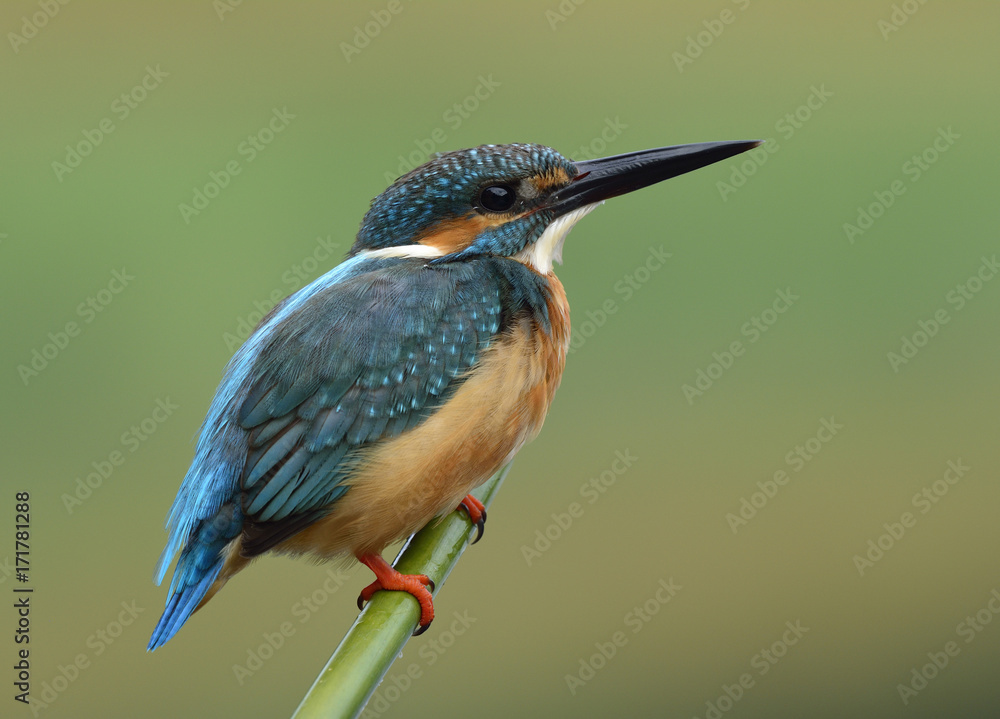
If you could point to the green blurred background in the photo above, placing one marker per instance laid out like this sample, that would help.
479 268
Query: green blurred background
881 91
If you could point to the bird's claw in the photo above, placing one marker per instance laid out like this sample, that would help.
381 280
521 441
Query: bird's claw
477 513
419 586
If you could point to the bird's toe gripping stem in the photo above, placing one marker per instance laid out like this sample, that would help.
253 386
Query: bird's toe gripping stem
386 577
477 513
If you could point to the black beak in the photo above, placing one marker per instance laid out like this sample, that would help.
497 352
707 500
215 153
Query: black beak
612 176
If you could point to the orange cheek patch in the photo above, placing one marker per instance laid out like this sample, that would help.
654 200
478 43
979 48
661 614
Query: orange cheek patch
455 235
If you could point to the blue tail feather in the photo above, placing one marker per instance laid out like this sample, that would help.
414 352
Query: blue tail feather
199 566
180 605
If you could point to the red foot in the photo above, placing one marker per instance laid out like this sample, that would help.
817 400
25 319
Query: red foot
388 578
477 513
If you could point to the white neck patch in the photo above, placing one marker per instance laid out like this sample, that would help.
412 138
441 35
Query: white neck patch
417 250
548 248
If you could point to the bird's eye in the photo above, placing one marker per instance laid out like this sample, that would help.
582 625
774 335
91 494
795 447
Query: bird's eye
497 198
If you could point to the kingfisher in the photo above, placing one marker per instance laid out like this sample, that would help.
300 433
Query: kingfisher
376 398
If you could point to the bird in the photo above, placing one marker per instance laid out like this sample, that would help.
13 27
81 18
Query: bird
377 397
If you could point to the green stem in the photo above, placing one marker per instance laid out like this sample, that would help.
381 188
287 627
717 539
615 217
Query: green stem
379 633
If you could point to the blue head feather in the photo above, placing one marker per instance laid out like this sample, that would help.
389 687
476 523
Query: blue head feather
446 188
